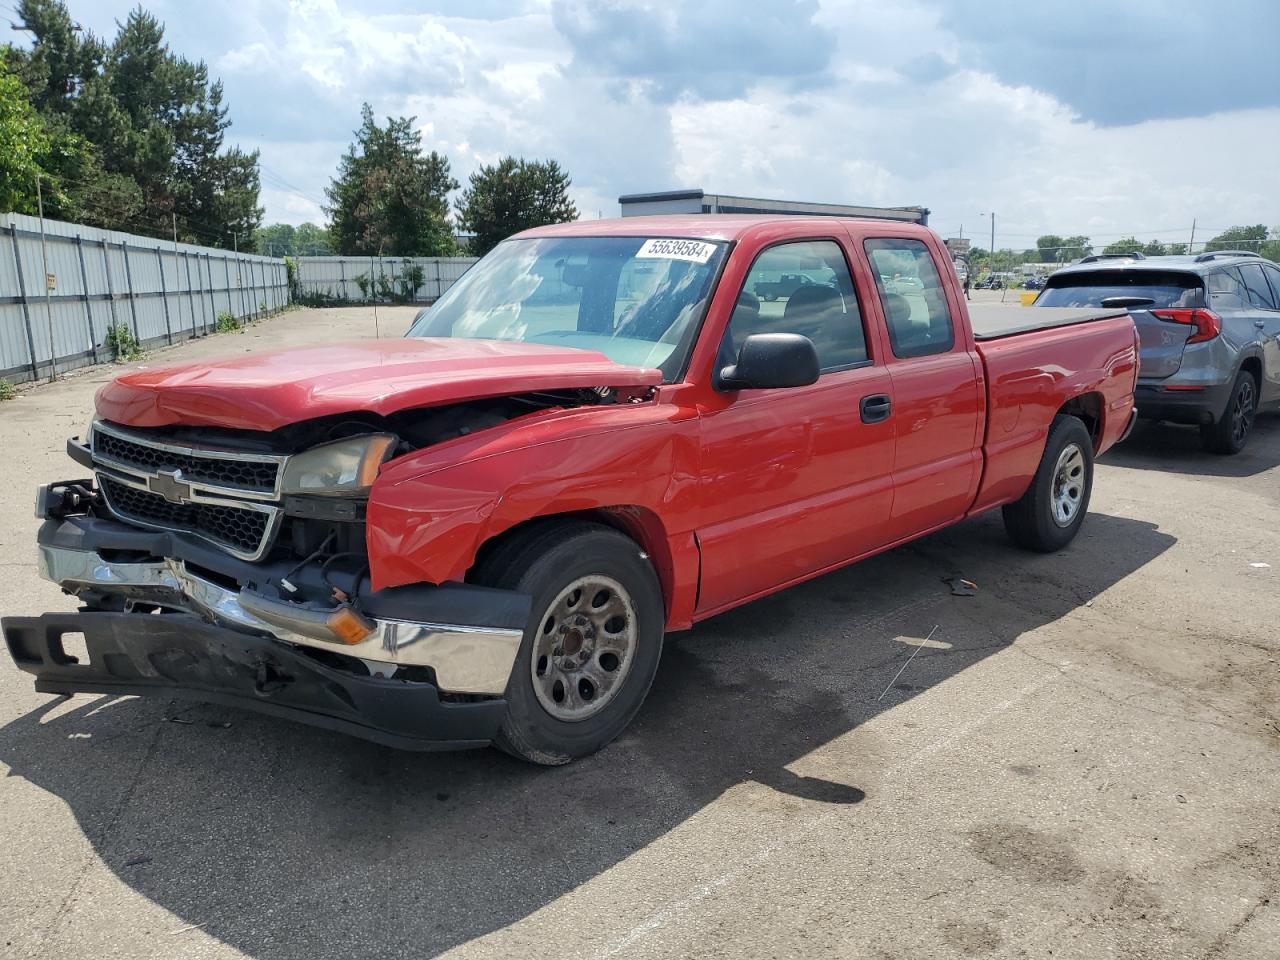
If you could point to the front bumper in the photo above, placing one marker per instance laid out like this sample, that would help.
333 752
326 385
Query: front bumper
176 655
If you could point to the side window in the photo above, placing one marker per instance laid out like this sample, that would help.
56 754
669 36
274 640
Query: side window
1226 290
804 288
914 301
1255 282
1273 274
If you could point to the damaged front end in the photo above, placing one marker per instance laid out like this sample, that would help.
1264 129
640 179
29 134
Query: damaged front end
222 568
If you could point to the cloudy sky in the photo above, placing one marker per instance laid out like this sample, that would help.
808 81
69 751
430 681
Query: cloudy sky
1088 116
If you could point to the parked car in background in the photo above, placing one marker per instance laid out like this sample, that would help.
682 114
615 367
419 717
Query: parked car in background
481 532
783 287
1210 328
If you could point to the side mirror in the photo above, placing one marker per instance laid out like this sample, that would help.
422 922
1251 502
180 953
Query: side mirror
770 361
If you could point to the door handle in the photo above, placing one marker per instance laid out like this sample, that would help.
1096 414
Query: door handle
1259 324
875 408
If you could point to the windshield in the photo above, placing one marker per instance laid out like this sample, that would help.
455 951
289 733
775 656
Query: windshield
1164 288
637 300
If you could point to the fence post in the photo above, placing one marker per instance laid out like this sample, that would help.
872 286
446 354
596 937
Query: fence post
111 290
84 295
213 303
164 296
26 308
133 300
342 272
226 268
191 294
439 291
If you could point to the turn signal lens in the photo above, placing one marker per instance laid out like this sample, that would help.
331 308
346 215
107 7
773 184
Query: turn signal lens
1207 324
349 626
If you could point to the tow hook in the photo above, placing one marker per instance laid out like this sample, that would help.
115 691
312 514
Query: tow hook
269 680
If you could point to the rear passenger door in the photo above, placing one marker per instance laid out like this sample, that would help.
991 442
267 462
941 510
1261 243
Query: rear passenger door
1262 284
937 388
795 480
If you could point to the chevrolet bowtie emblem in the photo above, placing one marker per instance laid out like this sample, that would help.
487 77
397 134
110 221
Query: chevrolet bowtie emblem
171 486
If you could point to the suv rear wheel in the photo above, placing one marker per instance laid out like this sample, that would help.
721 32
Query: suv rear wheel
592 644
1230 433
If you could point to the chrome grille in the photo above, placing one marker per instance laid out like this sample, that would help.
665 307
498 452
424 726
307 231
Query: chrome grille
239 528
224 496
259 473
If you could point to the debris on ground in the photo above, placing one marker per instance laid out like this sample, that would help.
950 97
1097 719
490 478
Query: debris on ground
961 587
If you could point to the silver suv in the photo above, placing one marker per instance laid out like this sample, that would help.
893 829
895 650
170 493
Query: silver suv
1210 329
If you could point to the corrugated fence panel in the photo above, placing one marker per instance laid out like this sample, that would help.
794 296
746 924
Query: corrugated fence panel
338 278
81 281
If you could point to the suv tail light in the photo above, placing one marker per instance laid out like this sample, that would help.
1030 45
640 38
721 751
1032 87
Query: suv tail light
1206 323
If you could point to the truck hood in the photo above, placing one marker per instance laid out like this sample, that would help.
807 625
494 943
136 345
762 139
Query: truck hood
266 391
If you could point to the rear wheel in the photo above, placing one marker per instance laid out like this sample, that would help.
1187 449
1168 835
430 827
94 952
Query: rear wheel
1231 431
1049 515
592 644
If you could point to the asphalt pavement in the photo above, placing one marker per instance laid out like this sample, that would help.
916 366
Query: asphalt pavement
1081 760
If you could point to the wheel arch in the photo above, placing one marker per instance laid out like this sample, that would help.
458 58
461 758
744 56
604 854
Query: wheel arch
1089 408
640 524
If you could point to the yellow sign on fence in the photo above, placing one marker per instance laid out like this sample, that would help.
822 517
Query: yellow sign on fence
50 282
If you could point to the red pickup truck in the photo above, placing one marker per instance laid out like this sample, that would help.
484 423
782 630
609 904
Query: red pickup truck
480 533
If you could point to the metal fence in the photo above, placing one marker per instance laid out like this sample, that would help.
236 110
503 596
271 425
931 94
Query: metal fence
98 279
341 278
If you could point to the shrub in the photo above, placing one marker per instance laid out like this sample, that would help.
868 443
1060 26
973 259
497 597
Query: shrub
362 281
124 345
7 391
411 282
227 323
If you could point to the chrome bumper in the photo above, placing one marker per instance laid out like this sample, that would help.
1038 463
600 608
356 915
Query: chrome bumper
465 659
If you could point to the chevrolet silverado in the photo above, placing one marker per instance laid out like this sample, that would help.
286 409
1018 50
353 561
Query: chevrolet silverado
480 533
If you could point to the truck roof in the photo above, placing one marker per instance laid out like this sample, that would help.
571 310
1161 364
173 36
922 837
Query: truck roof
701 226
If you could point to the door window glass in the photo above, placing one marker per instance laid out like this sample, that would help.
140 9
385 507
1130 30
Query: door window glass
1273 274
911 292
803 288
1226 290
1255 282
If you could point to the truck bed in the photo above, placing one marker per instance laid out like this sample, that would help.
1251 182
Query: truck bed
991 321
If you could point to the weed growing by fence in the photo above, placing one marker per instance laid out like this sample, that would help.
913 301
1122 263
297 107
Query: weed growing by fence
7 391
124 345
227 323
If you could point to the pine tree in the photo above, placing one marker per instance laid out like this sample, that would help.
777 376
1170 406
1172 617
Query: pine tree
513 195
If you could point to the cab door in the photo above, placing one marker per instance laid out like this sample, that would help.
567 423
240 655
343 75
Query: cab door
795 480
938 391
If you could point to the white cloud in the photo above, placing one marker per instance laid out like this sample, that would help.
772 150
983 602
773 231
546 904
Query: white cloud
888 112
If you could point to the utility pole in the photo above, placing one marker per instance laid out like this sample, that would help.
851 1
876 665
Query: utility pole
48 300
993 236
1191 247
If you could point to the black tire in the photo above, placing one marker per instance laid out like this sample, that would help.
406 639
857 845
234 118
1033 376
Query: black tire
1229 434
545 561
1032 521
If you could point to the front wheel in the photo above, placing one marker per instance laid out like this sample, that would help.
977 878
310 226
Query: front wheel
1048 516
1231 431
592 644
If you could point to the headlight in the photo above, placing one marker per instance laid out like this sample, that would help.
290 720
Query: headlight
343 468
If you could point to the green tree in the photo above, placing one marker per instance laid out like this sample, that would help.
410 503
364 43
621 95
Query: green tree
1048 247
1154 248
1074 248
1239 238
137 131
312 241
388 196
1127 245
24 145
513 195
1175 249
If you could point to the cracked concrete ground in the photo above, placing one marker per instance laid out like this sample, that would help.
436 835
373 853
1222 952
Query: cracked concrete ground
1083 760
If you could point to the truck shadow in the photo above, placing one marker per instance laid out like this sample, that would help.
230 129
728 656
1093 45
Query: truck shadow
1172 448
288 842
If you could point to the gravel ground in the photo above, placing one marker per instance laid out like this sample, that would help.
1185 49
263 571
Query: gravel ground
1082 760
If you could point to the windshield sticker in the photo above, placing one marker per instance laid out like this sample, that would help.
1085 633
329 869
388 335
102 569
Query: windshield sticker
695 251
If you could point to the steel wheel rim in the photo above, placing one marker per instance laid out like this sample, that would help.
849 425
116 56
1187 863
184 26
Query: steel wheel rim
1242 412
584 648
1068 485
